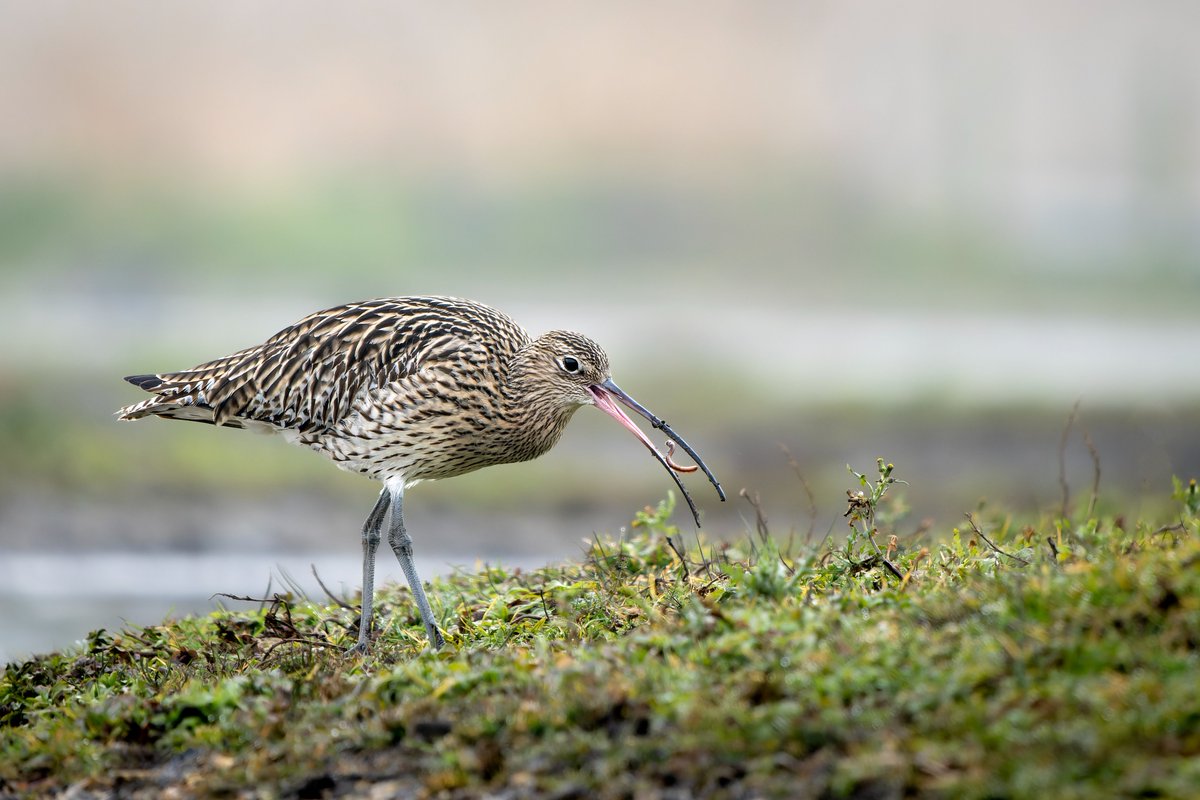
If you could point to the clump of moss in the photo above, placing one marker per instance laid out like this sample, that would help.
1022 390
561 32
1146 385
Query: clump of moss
1052 657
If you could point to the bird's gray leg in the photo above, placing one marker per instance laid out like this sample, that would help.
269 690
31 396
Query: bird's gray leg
370 542
401 544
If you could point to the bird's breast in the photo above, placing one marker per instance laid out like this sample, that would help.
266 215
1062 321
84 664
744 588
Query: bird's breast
428 430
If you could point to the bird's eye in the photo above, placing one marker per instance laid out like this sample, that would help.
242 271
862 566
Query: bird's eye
570 364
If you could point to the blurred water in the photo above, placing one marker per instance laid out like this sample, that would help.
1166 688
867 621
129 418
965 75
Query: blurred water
51 600
779 349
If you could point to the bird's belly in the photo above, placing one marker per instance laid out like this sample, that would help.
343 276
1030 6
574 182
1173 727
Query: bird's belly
430 440
415 453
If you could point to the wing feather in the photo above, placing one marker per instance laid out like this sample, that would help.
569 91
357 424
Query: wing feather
307 376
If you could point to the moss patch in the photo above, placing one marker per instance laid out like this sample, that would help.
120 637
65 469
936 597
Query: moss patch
1047 658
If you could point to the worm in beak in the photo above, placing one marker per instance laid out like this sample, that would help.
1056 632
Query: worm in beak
605 395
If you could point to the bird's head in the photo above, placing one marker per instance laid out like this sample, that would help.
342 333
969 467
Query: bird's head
558 367
563 370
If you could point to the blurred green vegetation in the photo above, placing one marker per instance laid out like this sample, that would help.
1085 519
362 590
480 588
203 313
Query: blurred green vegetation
1014 656
803 233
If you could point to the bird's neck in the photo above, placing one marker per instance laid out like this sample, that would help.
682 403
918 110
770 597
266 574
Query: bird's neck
536 414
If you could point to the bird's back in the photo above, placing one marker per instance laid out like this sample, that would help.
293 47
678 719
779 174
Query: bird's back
307 378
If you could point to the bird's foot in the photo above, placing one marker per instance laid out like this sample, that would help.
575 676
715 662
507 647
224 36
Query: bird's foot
359 650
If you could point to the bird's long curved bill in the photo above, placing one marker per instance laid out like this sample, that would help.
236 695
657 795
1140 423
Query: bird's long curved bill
605 395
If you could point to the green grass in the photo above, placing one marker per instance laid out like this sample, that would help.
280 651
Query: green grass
1051 657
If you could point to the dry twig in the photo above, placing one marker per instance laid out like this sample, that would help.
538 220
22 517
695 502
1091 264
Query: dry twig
337 600
812 502
971 520
760 519
1095 454
686 572
1062 459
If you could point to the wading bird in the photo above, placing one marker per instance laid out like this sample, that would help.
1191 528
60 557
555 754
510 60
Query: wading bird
404 390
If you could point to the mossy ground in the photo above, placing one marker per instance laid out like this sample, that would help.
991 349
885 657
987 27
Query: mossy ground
1055 657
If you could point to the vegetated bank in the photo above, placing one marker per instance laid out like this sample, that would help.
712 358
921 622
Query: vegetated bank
1055 657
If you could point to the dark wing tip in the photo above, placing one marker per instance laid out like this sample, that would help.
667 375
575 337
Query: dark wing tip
147 382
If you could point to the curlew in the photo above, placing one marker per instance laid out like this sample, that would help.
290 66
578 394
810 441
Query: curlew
405 390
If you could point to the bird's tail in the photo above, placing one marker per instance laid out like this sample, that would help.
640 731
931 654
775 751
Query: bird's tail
171 400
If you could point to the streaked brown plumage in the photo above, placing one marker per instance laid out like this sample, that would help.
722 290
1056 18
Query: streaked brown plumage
404 390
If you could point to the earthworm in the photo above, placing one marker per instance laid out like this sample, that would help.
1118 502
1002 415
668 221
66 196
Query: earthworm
671 463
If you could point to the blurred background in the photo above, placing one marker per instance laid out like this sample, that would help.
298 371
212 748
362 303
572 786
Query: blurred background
919 230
